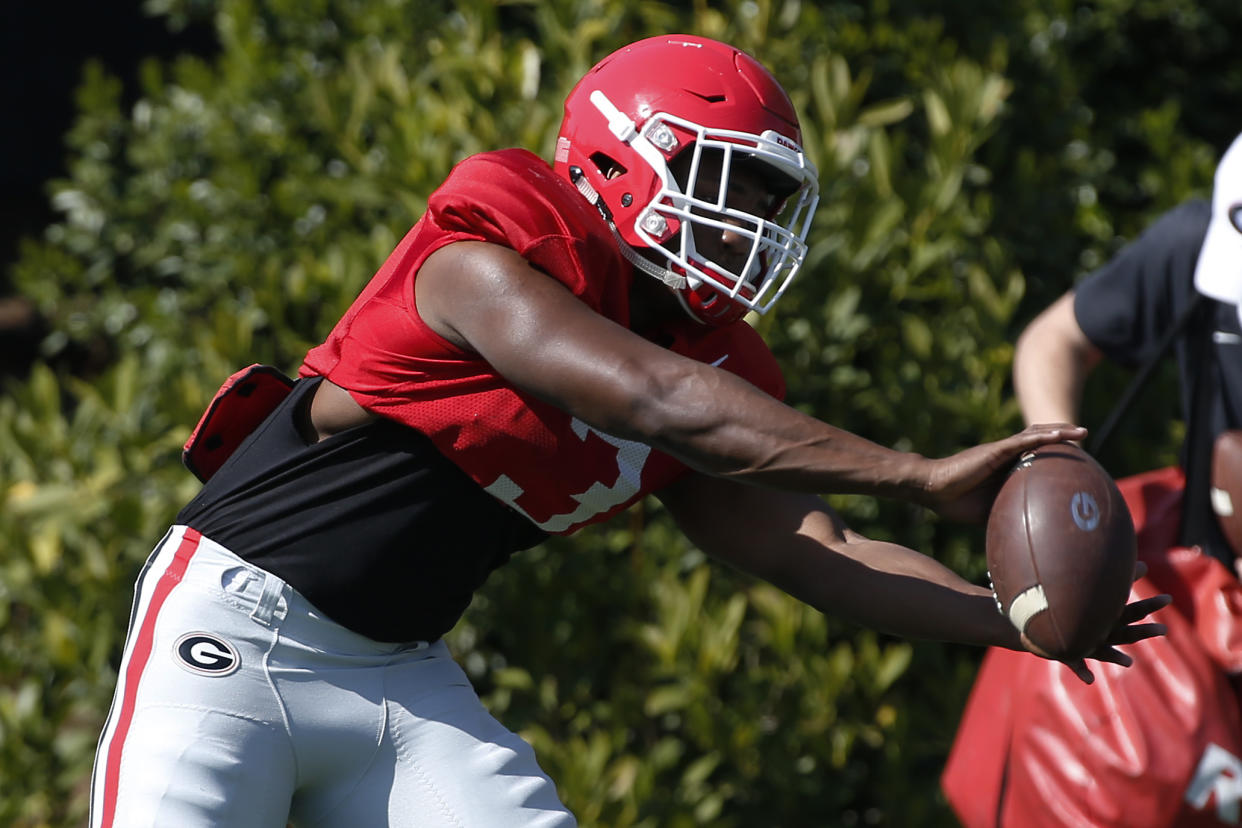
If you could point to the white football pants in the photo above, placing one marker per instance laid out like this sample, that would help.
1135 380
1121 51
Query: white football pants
239 705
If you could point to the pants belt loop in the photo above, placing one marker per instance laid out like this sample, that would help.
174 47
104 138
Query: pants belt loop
268 605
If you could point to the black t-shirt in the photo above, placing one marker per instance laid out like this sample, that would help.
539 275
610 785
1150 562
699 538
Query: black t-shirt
1126 306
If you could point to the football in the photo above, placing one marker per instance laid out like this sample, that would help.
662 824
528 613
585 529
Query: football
1227 486
1061 550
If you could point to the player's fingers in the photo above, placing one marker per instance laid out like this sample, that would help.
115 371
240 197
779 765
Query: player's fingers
1053 427
1079 668
1144 607
1042 433
1110 654
1136 632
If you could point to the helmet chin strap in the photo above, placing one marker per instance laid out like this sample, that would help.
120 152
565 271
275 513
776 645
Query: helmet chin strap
674 280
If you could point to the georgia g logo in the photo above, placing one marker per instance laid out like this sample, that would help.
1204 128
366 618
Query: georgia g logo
1085 511
206 654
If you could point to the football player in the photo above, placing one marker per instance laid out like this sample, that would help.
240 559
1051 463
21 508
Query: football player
546 346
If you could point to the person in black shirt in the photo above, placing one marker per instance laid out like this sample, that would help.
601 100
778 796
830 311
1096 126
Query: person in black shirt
1188 262
1158 745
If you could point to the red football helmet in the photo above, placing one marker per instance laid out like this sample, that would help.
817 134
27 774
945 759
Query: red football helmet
663 135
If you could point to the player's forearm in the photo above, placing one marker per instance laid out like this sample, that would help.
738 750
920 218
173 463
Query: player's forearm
905 593
799 544
725 427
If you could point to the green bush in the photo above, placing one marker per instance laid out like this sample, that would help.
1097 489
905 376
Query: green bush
975 160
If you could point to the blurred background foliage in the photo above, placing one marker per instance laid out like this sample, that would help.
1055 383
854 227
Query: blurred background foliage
977 159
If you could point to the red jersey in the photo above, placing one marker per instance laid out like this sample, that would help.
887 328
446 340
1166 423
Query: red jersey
551 467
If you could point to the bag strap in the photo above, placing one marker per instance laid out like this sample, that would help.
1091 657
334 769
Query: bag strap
1100 436
1200 526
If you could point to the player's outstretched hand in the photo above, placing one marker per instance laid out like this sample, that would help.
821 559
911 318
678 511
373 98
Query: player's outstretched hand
1127 630
963 486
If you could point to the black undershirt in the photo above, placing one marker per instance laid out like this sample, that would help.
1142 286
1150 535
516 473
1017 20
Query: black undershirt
373 526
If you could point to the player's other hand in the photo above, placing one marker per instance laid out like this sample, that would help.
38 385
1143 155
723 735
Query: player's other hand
1127 630
962 486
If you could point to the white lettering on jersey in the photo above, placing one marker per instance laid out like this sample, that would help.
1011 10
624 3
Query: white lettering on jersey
598 498
1220 774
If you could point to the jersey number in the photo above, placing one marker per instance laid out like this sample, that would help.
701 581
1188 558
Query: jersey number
595 497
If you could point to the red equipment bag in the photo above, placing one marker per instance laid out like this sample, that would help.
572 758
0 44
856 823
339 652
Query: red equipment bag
1154 745
243 401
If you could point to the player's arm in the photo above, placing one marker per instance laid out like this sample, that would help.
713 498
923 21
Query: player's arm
487 299
797 543
1051 362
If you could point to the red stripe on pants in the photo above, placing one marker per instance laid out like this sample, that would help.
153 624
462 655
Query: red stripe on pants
138 659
